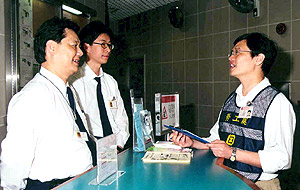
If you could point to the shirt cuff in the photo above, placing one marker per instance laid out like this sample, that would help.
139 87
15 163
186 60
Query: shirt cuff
272 162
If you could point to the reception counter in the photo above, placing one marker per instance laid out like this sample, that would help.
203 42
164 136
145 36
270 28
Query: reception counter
204 171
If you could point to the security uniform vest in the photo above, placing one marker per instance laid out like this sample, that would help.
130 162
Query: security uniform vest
246 133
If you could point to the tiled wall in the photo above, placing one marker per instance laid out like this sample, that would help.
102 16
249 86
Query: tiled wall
97 5
193 60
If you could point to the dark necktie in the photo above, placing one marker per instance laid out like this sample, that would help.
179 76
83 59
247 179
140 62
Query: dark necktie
91 144
103 114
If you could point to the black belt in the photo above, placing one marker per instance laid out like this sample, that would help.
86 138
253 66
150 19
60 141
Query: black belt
38 185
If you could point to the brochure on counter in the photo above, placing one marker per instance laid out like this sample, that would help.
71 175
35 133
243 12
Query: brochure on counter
187 133
165 152
167 157
166 144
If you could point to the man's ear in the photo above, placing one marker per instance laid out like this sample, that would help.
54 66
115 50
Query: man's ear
51 47
259 59
86 47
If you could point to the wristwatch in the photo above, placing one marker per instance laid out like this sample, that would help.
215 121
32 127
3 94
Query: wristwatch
232 158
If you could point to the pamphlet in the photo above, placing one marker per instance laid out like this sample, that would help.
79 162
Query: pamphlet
167 153
187 133
166 144
174 157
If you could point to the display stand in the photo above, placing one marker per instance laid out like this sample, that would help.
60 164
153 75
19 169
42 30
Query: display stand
147 128
107 161
166 112
142 125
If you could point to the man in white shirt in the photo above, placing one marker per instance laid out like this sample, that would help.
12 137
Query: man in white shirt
43 147
255 128
90 82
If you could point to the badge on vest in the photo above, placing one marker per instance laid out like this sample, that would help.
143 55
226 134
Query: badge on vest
230 140
113 103
246 112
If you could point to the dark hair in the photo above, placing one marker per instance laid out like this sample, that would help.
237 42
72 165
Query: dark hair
90 33
260 43
52 29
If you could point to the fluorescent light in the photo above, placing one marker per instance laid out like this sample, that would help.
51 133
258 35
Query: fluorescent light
71 10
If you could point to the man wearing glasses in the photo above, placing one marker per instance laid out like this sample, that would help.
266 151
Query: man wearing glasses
255 128
98 91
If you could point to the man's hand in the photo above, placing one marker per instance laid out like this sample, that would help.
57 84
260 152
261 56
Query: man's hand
119 149
220 149
181 140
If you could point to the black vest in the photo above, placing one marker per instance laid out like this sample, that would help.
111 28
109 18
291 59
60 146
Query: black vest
246 133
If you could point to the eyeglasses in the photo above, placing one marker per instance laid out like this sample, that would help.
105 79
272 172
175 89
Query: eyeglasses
105 45
237 52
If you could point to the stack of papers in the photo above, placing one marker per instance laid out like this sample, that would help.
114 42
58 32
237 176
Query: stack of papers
166 144
172 157
164 151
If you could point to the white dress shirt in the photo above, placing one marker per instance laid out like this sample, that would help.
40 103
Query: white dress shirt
86 87
279 131
41 141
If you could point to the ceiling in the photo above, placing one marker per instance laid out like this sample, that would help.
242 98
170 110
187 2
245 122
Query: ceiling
119 9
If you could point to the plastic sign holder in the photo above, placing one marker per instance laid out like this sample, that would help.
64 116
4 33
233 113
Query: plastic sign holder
147 129
107 161
166 112
138 142
142 125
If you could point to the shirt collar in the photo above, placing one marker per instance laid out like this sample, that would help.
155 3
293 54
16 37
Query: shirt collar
253 92
89 73
58 82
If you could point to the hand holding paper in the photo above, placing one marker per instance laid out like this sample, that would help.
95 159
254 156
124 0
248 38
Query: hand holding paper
187 133
181 140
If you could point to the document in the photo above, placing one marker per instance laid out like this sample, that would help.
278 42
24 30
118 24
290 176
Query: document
166 144
187 133
169 157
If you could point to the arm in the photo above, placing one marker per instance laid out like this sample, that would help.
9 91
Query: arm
279 133
121 120
221 149
19 145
